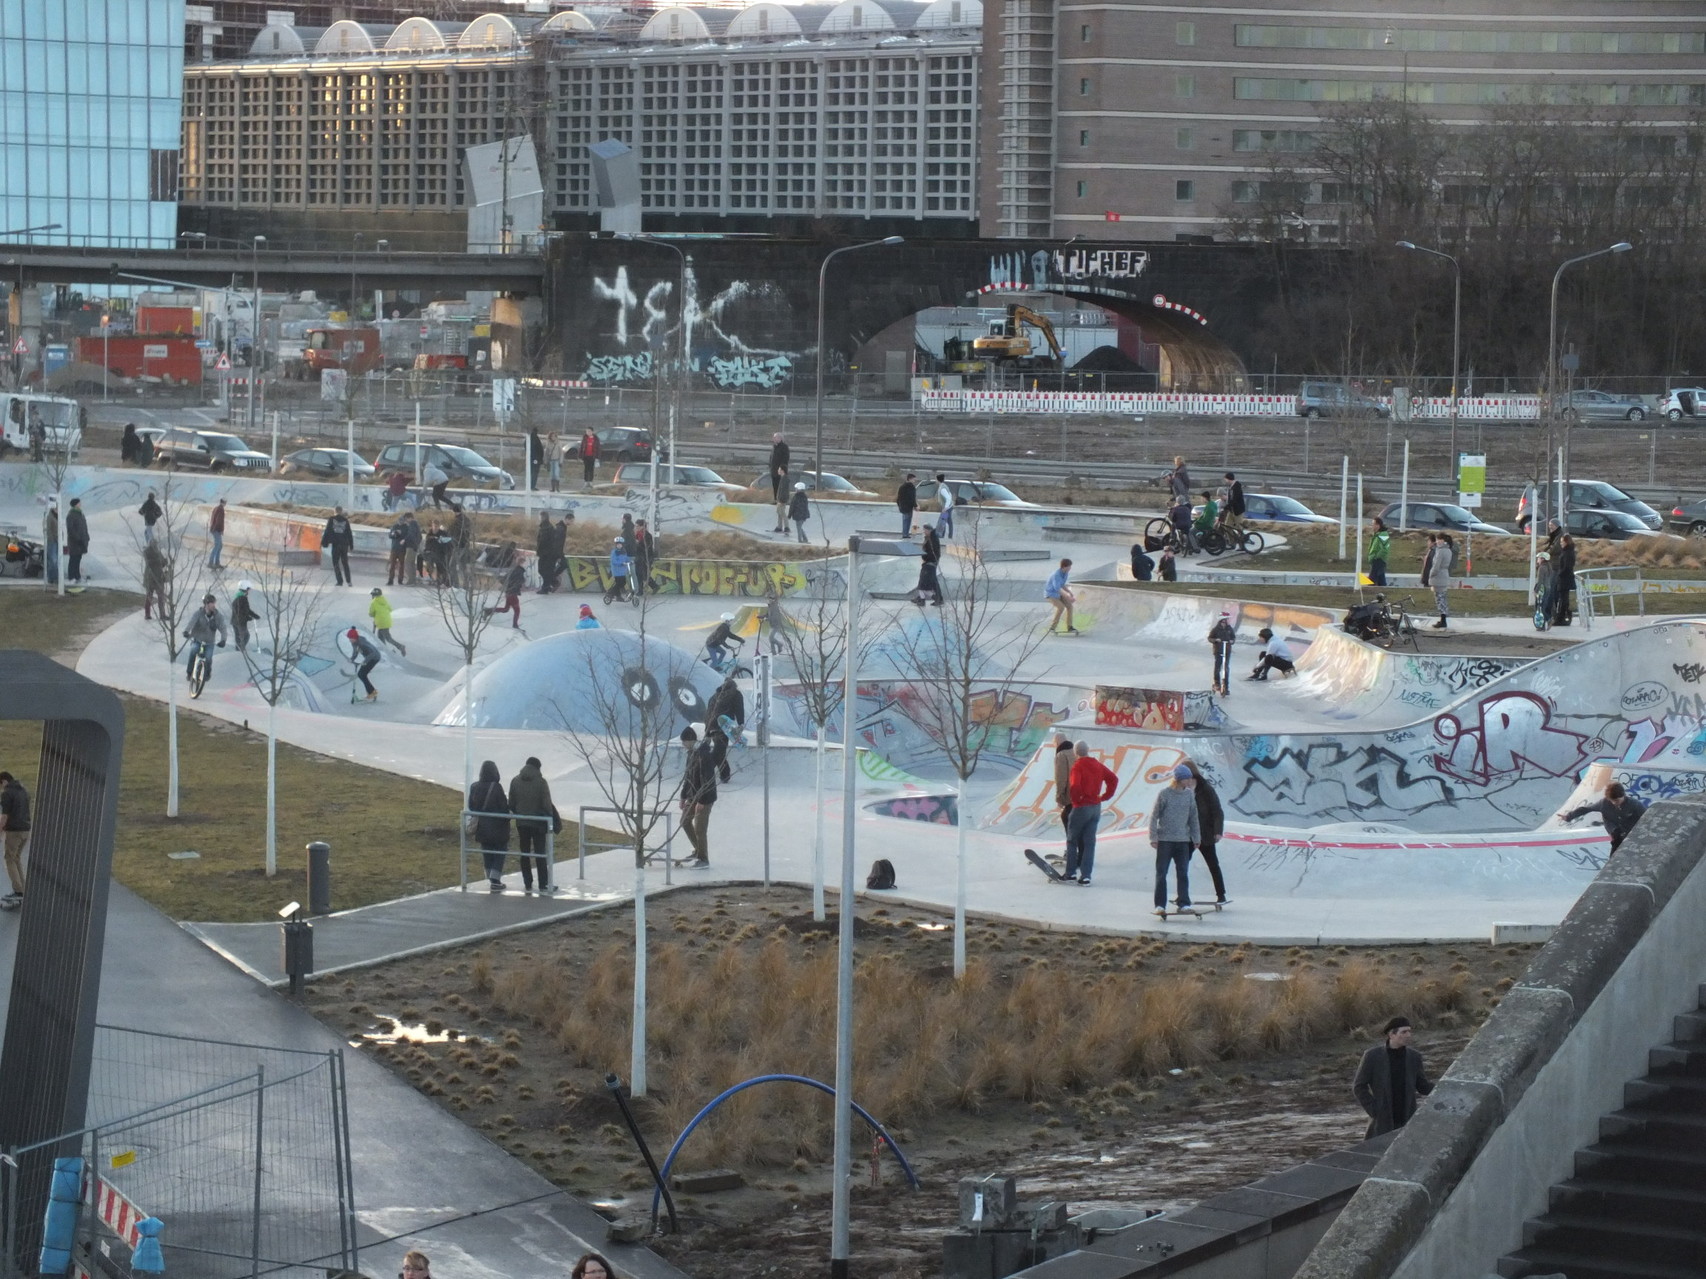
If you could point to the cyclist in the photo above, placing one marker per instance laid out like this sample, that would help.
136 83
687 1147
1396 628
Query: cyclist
204 625
1233 508
716 644
1206 517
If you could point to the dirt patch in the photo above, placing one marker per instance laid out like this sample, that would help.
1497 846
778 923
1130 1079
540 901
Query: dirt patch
1098 1070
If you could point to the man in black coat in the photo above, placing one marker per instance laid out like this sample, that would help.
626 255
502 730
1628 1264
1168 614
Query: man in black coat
779 455
339 538
76 539
1619 810
1211 823
1390 1079
906 501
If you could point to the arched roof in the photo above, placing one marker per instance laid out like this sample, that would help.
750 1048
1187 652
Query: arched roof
345 36
283 42
421 35
765 18
679 22
950 13
568 20
490 31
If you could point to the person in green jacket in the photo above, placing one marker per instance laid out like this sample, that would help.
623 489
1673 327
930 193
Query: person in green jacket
1379 551
1206 517
380 611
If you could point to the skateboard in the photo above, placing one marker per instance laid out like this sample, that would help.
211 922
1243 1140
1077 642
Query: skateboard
1541 621
1043 864
1198 911
1072 634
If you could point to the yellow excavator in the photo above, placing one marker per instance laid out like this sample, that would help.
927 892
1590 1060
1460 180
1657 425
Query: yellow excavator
1006 340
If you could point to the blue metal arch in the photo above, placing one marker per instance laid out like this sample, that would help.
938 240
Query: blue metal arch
720 1098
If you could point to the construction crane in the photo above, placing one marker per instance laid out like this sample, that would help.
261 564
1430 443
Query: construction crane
1006 341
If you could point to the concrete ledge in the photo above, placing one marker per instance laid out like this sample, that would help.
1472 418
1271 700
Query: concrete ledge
1590 943
1443 1137
1373 1232
1516 1041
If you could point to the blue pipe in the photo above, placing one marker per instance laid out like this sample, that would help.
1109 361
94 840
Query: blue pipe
720 1098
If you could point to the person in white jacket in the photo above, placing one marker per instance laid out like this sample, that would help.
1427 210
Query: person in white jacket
1276 656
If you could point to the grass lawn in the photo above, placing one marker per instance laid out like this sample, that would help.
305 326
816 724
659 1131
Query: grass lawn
390 836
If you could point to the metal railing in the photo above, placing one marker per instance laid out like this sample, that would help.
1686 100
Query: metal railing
546 861
665 816
1599 583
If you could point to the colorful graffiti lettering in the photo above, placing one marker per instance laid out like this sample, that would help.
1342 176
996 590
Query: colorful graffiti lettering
1028 807
1646 739
1153 708
696 577
1512 734
940 809
1651 786
1023 719
1012 725
748 370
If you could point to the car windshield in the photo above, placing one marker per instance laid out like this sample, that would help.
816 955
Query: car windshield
696 475
226 444
998 492
1607 491
1457 515
467 457
1621 519
836 483
1287 505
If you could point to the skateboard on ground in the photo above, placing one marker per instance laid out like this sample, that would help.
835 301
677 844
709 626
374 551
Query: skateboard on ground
1198 911
1047 867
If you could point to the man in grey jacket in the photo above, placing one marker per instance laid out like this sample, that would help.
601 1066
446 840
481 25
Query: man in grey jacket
1174 830
1390 1078
530 801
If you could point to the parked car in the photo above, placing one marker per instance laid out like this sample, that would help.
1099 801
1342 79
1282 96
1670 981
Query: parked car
680 474
1602 406
833 485
973 493
1689 517
1611 526
1284 510
325 464
457 462
1687 401
1443 516
1591 495
619 444
208 451
1331 399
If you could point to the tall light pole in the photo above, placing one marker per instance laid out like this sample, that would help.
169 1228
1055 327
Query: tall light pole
106 353
840 1211
1456 338
354 256
822 283
254 330
681 344
1622 246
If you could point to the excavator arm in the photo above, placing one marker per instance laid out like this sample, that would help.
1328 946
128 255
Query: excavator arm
1024 315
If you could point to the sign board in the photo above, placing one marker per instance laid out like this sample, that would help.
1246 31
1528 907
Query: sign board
334 384
155 351
222 363
54 355
503 398
1109 264
20 347
1471 479
202 344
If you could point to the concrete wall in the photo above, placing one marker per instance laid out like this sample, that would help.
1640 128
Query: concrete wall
1450 1196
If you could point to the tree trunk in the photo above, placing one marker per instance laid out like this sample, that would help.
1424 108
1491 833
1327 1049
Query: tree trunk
467 725
817 845
960 881
172 737
61 551
637 1057
272 788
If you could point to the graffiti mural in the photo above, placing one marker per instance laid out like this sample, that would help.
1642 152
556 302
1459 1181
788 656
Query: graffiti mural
619 368
1139 707
1332 781
943 810
696 577
1028 808
1512 735
748 370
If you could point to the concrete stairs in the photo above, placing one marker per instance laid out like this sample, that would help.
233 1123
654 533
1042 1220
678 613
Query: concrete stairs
1636 1208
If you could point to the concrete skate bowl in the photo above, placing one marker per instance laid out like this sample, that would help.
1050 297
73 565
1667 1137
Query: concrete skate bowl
1500 758
593 681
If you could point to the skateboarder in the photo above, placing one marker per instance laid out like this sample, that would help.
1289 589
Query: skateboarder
1174 830
1058 592
1276 656
1211 823
1090 784
366 657
1390 1078
1221 637
1619 810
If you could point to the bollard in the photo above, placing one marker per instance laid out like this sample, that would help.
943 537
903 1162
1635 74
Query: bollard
319 878
298 952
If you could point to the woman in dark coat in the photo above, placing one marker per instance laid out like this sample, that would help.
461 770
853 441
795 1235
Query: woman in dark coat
491 833
1211 818
1563 579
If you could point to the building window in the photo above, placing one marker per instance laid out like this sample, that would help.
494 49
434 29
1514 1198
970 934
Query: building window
1083 137
1083 189
1084 87
1184 189
1184 138
1083 34
1185 86
1184 33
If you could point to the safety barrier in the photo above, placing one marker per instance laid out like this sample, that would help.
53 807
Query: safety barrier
1192 404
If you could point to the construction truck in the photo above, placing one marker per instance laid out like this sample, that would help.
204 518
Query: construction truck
1007 340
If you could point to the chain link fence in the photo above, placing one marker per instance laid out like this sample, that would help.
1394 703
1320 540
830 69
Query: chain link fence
240 1152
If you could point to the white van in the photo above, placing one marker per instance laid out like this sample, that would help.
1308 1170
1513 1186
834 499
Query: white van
61 420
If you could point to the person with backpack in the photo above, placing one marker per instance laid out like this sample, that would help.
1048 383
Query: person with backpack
1221 637
242 613
1379 551
491 829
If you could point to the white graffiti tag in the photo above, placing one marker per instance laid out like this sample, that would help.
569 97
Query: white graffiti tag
621 293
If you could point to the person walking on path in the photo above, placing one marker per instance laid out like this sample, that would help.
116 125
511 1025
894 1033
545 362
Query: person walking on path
150 512
544 541
15 831
929 570
1619 810
1436 574
1058 592
515 582
435 478
379 609
698 794
339 537
50 543
945 493
1276 656
405 536
530 801
131 449
1234 506
645 555
76 540
1379 551
491 830
153 580
906 502
1211 825
1389 1079
1063 758
620 563
1174 830
366 657
216 535
727 700
535 457
800 509
589 456
1221 637
778 468
1089 785
242 613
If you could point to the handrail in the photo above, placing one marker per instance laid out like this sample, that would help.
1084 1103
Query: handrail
548 857
1585 595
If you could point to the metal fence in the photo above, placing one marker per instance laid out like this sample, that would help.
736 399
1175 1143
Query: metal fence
240 1152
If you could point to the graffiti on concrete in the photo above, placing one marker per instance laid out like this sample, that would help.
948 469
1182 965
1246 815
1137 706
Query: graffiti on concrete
619 368
1012 725
737 371
1644 696
695 577
1507 737
1690 671
1647 786
1153 708
943 810
1332 781
728 361
1028 807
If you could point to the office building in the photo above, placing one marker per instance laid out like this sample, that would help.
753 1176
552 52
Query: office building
90 96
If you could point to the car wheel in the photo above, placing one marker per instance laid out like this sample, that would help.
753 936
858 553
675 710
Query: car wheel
1675 415
1697 529
1637 415
1568 415
1312 413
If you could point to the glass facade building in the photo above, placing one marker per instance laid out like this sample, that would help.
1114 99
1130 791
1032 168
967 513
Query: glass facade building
90 111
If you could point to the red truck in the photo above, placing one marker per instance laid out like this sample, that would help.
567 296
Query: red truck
357 351
172 360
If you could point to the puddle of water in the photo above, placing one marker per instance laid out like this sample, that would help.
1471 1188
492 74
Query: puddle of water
932 928
1267 976
391 1030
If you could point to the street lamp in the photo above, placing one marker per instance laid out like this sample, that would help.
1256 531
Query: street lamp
681 346
31 230
354 251
255 329
106 356
200 237
1456 337
1622 246
822 284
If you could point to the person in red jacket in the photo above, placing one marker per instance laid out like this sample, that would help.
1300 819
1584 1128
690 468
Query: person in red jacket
589 455
1089 785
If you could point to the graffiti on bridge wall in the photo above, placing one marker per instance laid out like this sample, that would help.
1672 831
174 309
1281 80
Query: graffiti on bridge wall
619 368
695 577
767 373
1332 782
1012 724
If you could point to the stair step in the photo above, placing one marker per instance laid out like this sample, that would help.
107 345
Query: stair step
1655 1126
1599 1195
1613 1239
1690 1025
1633 1160
1679 1093
1676 1059
1527 1262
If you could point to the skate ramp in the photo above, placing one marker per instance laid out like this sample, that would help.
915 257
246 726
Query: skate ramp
1503 757
1357 680
1138 614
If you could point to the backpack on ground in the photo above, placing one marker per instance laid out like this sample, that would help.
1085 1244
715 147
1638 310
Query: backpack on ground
882 874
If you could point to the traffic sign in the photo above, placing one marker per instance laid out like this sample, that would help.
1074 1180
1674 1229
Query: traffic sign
202 344
20 347
223 362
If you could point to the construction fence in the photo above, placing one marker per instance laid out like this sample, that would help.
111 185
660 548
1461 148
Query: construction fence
234 1157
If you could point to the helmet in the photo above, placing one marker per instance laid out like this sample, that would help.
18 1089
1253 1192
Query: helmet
616 541
800 486
209 599
728 617
245 585
376 591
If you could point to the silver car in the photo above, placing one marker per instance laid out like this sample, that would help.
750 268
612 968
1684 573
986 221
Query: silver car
1601 406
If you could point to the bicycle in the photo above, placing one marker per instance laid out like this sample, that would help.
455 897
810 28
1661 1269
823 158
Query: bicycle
1240 538
730 663
201 667
1393 625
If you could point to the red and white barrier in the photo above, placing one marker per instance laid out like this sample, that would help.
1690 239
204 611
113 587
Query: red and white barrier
117 1213
1194 404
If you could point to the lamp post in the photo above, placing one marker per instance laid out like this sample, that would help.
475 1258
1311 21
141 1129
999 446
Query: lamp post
354 257
1456 338
254 329
106 355
1622 246
840 1212
381 247
822 281
31 230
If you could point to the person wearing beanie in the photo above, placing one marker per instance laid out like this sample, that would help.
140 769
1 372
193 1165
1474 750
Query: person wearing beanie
379 609
1390 1078
366 657
1174 830
587 621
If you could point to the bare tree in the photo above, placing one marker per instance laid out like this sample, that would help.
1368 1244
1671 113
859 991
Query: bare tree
290 611
466 594
960 658
811 632
178 573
